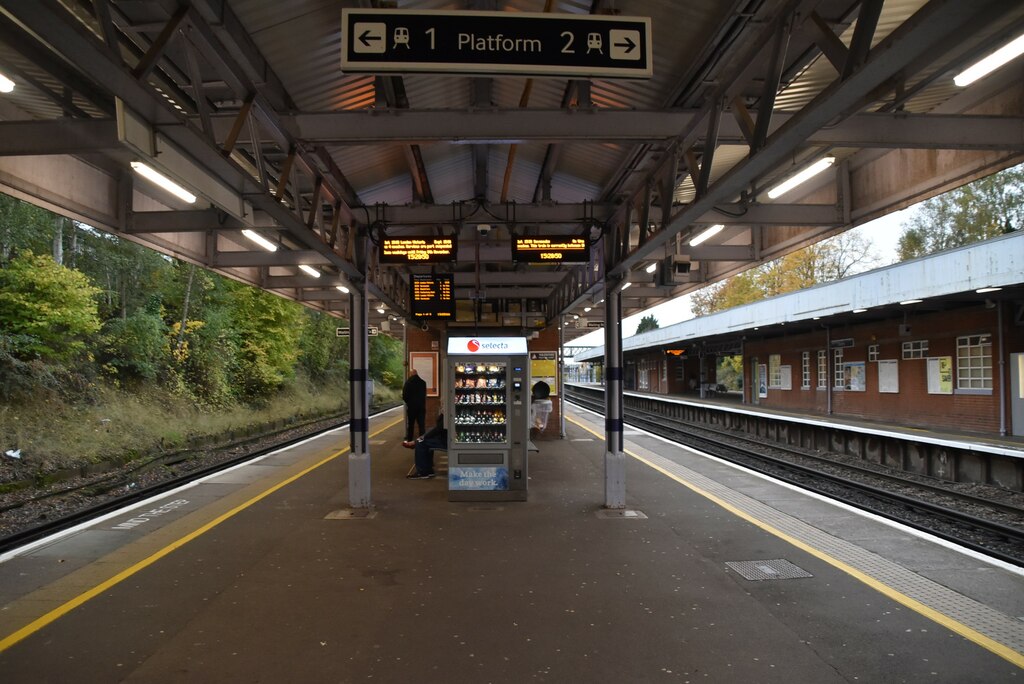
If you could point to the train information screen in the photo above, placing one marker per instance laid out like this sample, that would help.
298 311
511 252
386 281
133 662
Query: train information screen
433 296
545 250
417 250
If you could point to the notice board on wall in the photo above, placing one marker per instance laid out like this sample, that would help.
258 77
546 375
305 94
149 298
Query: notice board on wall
940 375
889 376
425 364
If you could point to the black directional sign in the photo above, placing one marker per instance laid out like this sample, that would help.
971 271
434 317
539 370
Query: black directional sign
499 43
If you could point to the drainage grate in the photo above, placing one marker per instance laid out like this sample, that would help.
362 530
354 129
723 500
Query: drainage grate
620 513
351 514
768 569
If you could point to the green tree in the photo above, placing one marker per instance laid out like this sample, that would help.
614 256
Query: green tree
49 311
386 362
984 209
266 329
23 226
821 262
323 355
648 322
134 348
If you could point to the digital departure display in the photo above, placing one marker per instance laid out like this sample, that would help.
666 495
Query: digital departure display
417 250
433 296
543 250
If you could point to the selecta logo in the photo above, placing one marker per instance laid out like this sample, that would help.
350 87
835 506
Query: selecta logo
473 346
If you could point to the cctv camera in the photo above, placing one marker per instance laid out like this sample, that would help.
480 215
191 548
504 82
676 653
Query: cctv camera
424 327
483 229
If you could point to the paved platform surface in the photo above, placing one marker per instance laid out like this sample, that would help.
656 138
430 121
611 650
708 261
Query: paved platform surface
249 577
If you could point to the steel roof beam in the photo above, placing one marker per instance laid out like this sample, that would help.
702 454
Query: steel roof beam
897 129
937 23
57 136
282 257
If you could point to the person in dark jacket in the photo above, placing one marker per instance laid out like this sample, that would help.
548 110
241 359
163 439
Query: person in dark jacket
414 394
434 438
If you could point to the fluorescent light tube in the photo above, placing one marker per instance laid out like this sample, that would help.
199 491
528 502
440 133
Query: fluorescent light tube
6 84
310 270
983 290
709 232
259 240
163 181
859 310
989 64
801 177
652 268
342 288
625 285
911 301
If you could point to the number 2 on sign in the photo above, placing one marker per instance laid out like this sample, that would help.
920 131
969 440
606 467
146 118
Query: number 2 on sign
567 48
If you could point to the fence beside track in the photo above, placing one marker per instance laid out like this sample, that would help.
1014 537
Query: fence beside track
964 461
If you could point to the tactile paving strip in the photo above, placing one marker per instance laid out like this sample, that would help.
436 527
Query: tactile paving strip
984 620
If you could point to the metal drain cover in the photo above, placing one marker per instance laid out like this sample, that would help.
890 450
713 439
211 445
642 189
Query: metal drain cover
351 514
777 569
619 514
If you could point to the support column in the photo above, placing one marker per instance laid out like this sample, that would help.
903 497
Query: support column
614 458
359 393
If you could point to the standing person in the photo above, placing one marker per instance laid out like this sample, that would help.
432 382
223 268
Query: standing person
434 438
414 394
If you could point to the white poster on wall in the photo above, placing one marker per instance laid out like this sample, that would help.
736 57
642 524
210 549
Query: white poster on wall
786 377
889 376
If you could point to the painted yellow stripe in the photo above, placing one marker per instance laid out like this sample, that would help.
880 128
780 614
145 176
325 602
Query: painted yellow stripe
69 606
953 625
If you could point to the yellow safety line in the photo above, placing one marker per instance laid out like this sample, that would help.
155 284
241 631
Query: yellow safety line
963 630
67 607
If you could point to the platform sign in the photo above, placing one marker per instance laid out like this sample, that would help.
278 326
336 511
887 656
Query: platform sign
550 250
418 250
432 296
498 43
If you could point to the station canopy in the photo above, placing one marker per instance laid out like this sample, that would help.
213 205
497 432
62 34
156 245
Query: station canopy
538 153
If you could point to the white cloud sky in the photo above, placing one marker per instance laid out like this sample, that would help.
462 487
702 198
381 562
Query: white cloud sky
883 233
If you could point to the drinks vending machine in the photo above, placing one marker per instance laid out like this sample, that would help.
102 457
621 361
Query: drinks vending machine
488 417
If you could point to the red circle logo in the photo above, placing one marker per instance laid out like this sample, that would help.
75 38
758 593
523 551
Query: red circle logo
473 346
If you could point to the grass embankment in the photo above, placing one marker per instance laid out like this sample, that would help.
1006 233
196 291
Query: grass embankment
54 435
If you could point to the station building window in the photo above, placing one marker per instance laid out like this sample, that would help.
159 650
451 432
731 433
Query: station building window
838 371
872 352
775 370
917 349
822 369
805 370
974 362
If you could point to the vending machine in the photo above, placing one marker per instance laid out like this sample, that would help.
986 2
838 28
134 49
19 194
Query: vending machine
488 417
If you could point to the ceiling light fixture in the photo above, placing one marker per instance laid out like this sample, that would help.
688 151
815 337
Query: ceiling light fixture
983 290
803 176
987 65
380 310
911 301
710 231
652 268
259 240
310 270
163 181
625 285
6 84
859 310
342 288
586 309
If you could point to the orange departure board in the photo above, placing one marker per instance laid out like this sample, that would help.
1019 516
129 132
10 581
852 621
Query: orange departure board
417 250
433 296
543 250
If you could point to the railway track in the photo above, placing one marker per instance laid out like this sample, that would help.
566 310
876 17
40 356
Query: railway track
111 492
980 523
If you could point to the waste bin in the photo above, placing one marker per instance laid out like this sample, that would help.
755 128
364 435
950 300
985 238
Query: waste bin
541 412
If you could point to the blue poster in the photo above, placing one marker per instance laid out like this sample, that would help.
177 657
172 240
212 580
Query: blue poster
477 478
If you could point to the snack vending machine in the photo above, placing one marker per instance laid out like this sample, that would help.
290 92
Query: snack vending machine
487 414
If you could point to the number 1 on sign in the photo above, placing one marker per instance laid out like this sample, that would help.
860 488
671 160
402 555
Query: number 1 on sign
430 32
